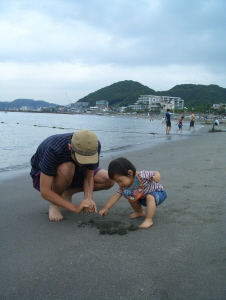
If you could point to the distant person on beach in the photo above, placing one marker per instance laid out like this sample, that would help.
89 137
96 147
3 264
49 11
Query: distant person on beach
168 122
192 122
216 122
65 164
163 120
140 189
180 125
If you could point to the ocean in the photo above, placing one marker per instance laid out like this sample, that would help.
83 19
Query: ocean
22 132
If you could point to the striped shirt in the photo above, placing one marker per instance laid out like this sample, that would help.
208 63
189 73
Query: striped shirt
148 184
180 122
53 152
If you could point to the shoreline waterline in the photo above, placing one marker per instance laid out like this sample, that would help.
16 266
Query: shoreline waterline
22 133
107 156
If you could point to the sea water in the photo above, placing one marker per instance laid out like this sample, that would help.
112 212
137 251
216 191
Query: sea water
22 132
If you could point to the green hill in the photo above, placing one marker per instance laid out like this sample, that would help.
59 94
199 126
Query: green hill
122 93
30 103
127 92
197 94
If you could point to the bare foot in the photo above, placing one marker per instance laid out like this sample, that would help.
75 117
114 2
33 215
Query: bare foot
147 223
136 215
54 213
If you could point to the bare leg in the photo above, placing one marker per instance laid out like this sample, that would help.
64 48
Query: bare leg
150 212
168 130
62 180
138 210
102 181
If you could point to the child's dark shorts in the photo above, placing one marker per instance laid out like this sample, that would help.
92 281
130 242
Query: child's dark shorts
77 181
159 195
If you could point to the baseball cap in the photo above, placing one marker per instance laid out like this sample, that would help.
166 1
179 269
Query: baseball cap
85 145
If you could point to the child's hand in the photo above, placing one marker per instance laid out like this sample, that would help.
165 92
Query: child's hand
156 177
103 211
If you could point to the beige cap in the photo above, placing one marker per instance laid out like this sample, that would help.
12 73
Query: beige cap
85 145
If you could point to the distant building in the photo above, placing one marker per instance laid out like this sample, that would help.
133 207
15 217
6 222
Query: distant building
101 104
122 109
219 106
24 108
93 108
153 102
80 104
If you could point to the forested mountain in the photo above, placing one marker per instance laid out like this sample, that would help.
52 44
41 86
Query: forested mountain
30 103
197 94
122 93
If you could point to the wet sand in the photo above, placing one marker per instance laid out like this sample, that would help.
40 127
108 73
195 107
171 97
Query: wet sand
182 256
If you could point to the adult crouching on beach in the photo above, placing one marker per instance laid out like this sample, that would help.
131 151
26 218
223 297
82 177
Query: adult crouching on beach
65 164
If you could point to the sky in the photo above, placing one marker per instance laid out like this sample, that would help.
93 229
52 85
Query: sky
60 51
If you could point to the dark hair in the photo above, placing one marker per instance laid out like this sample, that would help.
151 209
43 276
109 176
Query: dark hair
168 109
120 166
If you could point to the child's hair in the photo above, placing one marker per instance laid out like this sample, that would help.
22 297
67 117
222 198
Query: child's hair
182 117
120 166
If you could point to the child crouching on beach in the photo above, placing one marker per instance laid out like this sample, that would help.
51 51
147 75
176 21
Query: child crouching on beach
141 189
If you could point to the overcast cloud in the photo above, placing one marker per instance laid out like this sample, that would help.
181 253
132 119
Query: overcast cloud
52 47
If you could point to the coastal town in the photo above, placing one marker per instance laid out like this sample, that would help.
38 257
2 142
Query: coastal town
145 104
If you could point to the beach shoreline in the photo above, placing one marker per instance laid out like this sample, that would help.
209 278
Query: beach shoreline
181 257
108 155
9 173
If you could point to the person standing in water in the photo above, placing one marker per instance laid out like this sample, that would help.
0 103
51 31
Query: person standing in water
180 125
168 122
192 122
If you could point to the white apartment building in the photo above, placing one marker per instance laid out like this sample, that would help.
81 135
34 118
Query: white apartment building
153 102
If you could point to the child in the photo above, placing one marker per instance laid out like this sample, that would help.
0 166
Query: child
140 188
180 124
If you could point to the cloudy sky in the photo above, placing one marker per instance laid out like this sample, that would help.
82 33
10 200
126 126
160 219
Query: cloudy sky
61 50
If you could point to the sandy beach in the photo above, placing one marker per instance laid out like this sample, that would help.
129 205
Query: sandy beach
182 256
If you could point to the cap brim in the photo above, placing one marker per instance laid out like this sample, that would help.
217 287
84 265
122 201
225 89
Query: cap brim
86 160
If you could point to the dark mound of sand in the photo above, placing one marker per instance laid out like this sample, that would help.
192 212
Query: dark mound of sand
109 227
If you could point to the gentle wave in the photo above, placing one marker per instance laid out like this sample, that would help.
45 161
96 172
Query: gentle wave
21 133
